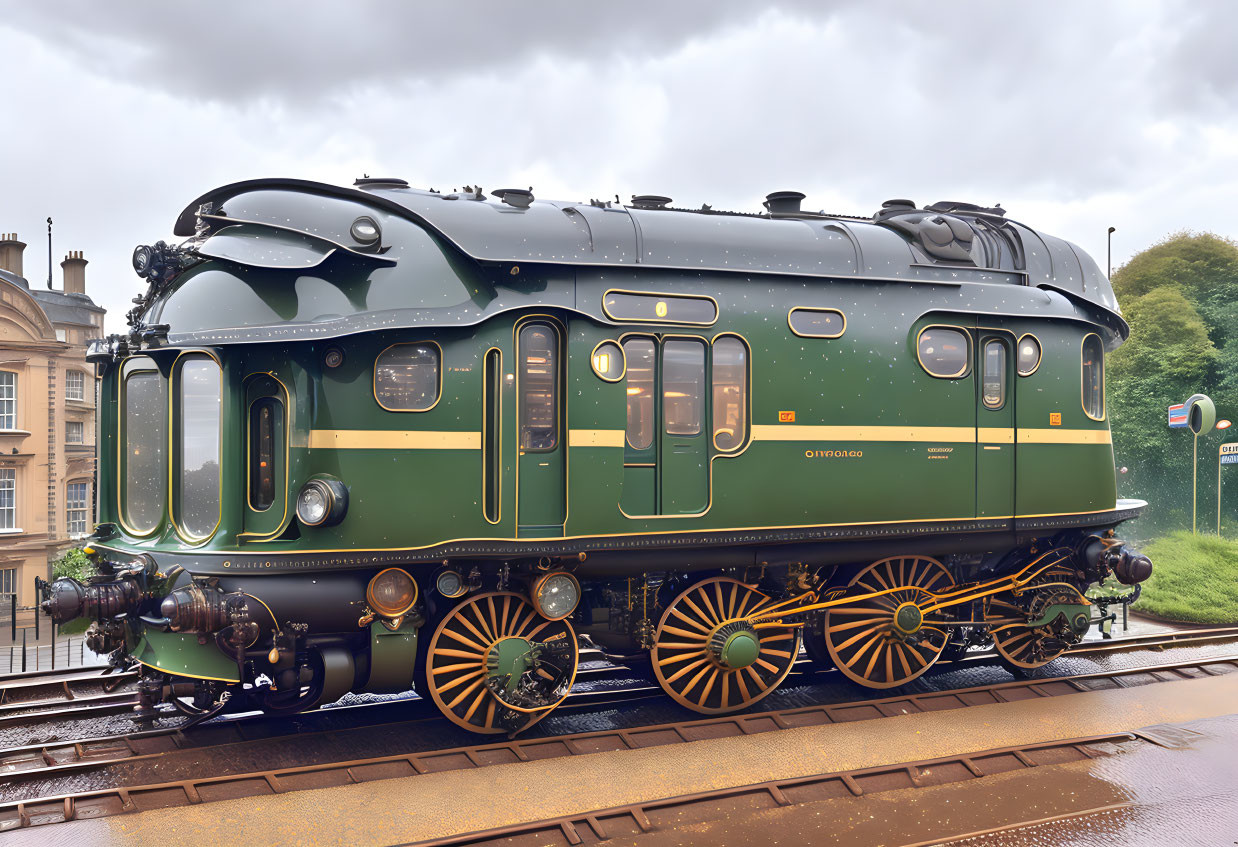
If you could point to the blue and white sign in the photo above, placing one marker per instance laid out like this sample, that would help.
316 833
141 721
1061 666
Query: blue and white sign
1177 416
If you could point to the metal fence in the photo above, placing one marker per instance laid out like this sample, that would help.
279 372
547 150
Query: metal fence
29 642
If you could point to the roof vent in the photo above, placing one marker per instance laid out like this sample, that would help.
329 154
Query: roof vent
650 201
381 182
899 204
521 198
783 202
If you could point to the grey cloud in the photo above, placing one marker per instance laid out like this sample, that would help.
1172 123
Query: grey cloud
299 50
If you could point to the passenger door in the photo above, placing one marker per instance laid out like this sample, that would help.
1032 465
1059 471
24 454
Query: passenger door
666 454
541 502
995 424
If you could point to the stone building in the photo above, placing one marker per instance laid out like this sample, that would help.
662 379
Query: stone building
47 418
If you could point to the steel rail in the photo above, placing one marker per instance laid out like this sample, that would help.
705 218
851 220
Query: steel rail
86 753
140 797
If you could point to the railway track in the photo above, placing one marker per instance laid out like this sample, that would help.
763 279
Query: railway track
138 794
20 705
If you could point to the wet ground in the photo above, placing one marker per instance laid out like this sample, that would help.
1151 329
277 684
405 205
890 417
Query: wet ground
1144 795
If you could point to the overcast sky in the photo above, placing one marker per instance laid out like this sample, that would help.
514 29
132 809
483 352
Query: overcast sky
1074 116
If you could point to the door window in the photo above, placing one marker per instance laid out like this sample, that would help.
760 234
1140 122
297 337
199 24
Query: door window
640 354
683 386
993 385
539 388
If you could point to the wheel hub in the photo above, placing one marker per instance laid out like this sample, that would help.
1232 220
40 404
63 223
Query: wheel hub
735 646
508 659
908 618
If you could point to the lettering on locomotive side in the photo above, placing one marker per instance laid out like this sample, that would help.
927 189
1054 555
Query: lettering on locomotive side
786 417
940 452
833 454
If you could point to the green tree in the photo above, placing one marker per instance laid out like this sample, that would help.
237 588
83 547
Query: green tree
1181 299
73 562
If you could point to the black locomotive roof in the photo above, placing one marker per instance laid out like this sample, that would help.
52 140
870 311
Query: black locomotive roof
941 242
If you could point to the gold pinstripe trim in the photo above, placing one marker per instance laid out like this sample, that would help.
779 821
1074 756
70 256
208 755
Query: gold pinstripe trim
379 439
797 432
994 435
1065 436
595 437
947 434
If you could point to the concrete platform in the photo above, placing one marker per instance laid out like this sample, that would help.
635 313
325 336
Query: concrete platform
435 805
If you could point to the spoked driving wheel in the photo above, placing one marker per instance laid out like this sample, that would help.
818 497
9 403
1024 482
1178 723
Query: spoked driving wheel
495 665
888 640
711 658
1032 630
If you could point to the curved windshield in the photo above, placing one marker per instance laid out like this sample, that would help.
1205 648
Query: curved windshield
143 444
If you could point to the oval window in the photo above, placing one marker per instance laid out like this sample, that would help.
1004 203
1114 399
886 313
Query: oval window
1093 378
944 352
406 377
659 308
817 323
1028 358
607 361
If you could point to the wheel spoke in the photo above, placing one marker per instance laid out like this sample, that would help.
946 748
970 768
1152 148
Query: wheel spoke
683 633
671 660
457 654
704 617
853 639
709 685
481 619
481 695
465 693
458 637
689 621
463 666
686 669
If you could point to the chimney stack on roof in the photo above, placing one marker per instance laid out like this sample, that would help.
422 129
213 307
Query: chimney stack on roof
74 273
11 253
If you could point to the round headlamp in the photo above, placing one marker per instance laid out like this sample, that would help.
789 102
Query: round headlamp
555 595
392 593
364 230
322 501
449 583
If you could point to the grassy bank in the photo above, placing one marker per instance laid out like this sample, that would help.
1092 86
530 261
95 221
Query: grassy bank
1194 579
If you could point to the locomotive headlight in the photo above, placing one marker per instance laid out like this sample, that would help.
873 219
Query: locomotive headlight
392 593
555 595
449 583
322 501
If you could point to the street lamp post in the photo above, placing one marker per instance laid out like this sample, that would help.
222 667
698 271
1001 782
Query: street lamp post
1109 260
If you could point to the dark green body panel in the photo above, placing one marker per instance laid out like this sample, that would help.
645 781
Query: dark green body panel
860 387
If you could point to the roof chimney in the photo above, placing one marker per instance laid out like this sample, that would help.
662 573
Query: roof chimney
11 253
74 273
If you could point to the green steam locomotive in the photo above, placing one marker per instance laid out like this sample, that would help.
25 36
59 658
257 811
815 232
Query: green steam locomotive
374 438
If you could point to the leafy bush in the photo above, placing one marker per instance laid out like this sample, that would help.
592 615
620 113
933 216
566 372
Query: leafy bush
73 562
1194 579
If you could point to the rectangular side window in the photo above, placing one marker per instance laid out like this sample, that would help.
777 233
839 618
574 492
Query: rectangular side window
683 386
263 458
198 403
144 438
730 393
993 384
539 388
639 353
1093 378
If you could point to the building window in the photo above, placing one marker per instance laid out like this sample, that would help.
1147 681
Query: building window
75 385
77 508
74 432
62 335
8 581
8 498
8 400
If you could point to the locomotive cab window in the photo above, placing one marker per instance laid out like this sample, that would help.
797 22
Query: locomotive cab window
730 393
539 388
993 383
198 382
144 410
1093 378
944 352
407 377
659 308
